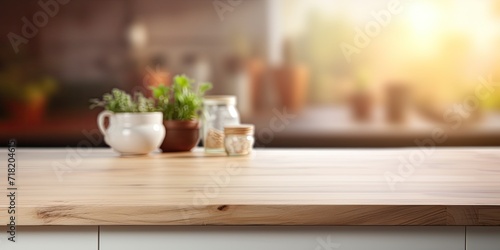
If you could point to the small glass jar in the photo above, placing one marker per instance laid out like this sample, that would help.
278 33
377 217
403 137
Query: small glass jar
239 139
218 112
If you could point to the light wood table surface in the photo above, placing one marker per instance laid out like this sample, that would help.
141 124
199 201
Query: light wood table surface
77 186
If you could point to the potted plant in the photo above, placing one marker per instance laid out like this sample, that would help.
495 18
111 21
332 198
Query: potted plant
25 95
135 126
181 105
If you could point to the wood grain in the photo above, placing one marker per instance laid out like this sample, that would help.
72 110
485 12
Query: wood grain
271 187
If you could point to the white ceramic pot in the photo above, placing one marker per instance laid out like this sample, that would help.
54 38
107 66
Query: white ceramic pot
132 133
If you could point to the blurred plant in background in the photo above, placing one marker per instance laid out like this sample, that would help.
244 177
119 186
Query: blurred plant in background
25 94
492 103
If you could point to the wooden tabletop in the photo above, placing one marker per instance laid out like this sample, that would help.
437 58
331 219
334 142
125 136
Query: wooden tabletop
79 186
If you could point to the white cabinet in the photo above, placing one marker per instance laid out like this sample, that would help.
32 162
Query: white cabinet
252 237
286 238
53 238
483 238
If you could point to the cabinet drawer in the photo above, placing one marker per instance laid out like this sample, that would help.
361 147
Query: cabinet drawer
286 238
51 237
483 238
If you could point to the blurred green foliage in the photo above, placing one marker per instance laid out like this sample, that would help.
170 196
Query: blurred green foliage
18 84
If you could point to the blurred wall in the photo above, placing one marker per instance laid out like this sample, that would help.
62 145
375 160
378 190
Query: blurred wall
350 73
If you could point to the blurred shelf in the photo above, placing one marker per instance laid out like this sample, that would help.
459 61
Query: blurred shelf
315 127
334 127
57 131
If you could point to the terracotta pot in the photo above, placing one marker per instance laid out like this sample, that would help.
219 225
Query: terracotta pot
292 83
361 105
180 136
32 112
256 69
397 96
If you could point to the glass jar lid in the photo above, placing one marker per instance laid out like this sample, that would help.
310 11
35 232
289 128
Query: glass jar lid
241 129
219 100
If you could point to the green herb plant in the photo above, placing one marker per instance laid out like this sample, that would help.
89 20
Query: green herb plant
119 101
181 101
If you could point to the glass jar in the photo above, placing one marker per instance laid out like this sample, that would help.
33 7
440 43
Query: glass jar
239 139
218 112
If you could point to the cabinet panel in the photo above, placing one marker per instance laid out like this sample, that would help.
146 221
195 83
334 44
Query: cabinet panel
286 238
483 238
53 238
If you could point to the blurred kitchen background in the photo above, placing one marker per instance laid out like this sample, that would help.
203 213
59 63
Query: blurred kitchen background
307 73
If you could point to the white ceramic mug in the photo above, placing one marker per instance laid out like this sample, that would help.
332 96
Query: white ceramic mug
132 133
